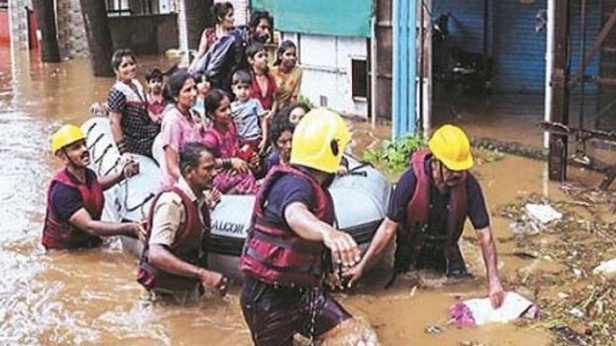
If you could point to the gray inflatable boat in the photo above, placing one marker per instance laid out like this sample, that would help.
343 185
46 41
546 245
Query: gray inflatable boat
360 200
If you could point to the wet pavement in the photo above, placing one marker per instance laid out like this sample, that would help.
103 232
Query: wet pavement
91 297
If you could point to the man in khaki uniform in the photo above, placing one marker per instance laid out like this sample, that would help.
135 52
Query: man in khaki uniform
173 261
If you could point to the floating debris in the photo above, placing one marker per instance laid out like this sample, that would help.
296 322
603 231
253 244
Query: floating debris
577 307
433 330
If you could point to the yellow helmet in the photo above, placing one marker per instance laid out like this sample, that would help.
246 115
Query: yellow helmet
450 145
66 135
319 140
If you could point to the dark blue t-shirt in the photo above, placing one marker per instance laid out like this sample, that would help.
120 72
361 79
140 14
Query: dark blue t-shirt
273 160
65 200
288 189
476 209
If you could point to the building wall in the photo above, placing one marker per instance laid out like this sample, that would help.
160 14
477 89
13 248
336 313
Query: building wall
71 30
146 34
326 61
19 23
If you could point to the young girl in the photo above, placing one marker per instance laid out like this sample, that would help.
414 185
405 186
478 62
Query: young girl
156 101
287 74
235 175
132 128
179 125
264 86
203 87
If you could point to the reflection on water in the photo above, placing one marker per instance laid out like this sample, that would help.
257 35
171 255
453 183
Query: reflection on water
92 297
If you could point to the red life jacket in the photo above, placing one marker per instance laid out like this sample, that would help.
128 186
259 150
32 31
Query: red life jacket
416 230
58 234
274 253
188 245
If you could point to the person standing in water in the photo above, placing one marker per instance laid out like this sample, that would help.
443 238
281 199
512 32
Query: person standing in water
284 261
431 202
173 262
75 197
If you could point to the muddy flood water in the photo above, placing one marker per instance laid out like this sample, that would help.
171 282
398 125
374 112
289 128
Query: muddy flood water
91 297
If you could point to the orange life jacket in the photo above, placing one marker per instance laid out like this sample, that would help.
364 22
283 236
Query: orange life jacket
188 245
277 255
58 234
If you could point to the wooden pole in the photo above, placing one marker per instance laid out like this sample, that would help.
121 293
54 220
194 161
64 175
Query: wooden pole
45 13
94 14
557 161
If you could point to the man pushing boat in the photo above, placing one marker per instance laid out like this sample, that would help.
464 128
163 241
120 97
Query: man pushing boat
173 263
429 207
286 258
75 197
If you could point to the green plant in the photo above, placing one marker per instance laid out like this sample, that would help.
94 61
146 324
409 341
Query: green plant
303 100
395 156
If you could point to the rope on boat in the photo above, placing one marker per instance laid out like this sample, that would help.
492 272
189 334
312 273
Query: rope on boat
91 128
99 160
117 162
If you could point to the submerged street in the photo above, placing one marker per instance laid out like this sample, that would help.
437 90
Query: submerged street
91 297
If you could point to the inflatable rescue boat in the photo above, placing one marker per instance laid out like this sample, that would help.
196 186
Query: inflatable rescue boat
360 199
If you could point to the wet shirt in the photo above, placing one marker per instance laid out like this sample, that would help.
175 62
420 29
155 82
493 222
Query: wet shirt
273 160
287 190
476 209
138 128
66 200
247 118
170 215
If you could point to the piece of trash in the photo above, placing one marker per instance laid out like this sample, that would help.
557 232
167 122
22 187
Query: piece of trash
523 228
476 312
576 312
524 255
562 295
606 267
542 212
569 334
434 330
577 272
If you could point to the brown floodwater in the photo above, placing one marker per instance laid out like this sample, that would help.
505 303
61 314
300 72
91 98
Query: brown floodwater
91 297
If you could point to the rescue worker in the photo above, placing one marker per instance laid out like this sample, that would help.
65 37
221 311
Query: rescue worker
285 258
173 260
431 202
75 197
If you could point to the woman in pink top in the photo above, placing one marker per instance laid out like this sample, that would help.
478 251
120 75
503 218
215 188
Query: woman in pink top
179 125
235 175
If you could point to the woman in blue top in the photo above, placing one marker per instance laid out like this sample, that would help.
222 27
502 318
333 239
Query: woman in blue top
280 134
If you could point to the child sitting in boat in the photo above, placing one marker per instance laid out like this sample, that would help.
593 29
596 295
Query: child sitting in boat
250 120
263 86
203 87
156 101
235 175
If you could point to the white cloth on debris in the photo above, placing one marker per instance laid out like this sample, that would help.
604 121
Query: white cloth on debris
542 213
606 267
513 307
